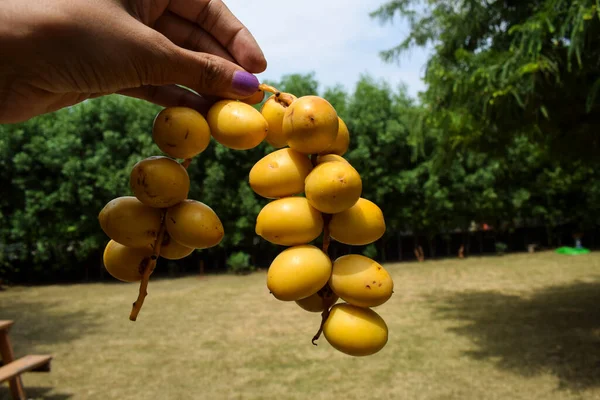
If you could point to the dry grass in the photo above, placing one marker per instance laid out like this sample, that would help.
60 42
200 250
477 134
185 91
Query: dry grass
513 327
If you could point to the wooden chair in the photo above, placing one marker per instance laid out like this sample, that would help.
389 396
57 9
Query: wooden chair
12 369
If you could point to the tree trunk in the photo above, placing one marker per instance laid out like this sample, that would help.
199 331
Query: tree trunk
416 246
448 246
201 267
418 250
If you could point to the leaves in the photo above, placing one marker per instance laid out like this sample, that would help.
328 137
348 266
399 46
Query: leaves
500 70
59 170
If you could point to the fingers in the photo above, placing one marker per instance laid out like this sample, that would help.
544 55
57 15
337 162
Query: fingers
169 96
214 17
160 62
190 36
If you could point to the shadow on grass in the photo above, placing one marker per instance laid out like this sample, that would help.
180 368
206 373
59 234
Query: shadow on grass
555 330
44 323
37 326
34 393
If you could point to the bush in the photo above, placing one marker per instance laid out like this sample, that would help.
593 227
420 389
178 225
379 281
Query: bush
370 251
239 263
501 248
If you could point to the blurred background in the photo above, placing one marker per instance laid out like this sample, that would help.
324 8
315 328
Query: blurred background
475 127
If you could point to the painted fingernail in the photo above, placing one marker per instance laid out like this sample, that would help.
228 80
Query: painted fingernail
244 83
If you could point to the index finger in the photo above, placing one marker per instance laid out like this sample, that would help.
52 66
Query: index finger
215 18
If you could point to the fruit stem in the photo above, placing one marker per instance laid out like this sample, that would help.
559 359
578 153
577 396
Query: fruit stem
325 293
143 292
324 316
268 88
326 235
283 98
186 163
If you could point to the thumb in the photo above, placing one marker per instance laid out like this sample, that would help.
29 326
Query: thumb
206 74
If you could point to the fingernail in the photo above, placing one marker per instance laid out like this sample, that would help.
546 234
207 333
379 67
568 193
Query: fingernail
244 83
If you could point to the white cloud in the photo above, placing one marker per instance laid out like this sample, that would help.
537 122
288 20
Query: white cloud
334 38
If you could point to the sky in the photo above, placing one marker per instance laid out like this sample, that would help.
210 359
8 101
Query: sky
335 39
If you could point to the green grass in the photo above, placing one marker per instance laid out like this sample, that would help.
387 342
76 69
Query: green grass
514 327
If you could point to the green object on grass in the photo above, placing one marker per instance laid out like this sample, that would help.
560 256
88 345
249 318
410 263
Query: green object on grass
572 251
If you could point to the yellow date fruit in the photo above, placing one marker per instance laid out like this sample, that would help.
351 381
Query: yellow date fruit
194 224
298 272
181 132
333 187
330 157
124 263
173 250
273 111
159 182
361 281
237 125
256 98
128 221
310 125
342 141
318 301
289 221
280 174
361 224
355 331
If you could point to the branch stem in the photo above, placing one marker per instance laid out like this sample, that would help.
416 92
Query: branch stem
284 99
143 292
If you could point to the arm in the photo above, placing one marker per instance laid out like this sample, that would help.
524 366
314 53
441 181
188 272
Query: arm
56 53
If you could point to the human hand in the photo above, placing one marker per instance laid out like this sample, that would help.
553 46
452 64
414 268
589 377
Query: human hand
57 53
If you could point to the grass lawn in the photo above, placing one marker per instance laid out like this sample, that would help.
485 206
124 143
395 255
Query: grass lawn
513 327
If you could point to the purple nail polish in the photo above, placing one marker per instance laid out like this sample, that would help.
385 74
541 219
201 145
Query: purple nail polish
244 83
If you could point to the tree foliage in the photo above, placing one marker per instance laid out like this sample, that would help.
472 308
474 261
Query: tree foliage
59 170
502 69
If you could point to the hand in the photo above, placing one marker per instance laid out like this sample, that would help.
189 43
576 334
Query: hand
56 53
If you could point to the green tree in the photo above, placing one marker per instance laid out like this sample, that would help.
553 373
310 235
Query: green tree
504 69
380 149
338 97
60 170
297 84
